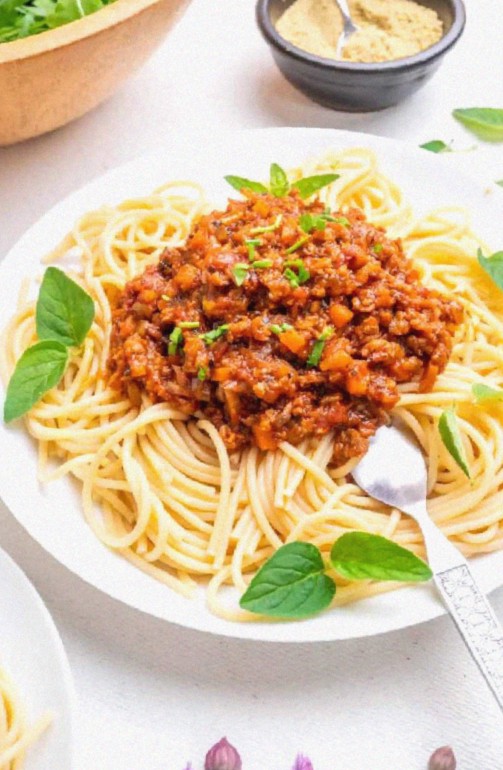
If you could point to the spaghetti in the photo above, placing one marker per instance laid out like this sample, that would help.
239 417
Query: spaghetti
163 491
15 735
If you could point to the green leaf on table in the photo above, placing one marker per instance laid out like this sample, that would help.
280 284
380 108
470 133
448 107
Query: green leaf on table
312 184
64 312
451 438
291 584
499 182
39 369
484 122
240 183
436 145
493 266
362 556
279 184
484 393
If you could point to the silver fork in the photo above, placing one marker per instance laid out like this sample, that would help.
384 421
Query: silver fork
394 472
349 27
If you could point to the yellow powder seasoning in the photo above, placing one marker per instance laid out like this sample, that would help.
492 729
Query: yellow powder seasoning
389 29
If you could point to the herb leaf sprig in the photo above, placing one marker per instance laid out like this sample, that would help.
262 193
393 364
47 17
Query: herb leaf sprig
484 122
64 314
279 184
293 583
451 438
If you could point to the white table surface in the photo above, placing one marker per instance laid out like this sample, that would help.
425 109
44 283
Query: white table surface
151 695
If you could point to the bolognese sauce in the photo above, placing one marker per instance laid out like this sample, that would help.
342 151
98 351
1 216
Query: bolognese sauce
280 320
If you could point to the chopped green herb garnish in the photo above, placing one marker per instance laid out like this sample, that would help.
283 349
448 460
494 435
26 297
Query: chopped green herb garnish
268 228
310 222
297 245
202 373
280 328
252 244
302 276
240 272
175 339
377 248
189 325
213 335
316 353
262 263
341 221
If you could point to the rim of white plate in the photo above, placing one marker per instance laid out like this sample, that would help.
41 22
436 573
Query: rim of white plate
64 535
57 742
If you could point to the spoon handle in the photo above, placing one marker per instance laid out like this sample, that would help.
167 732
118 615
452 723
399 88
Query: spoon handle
468 605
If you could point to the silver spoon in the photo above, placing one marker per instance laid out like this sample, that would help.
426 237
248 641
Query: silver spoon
349 27
394 472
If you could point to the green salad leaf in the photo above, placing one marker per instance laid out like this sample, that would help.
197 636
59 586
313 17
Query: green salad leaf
21 18
484 122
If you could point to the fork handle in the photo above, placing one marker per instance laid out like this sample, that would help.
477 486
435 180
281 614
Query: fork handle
468 605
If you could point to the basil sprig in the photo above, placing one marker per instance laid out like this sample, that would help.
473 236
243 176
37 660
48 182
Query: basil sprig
484 122
279 184
64 314
493 266
451 438
293 583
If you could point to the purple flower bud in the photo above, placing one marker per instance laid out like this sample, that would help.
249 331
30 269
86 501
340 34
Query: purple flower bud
442 759
302 763
222 756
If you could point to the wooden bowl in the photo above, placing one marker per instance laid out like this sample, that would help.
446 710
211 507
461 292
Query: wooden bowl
49 79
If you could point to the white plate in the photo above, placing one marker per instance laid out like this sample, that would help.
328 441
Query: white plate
53 515
32 653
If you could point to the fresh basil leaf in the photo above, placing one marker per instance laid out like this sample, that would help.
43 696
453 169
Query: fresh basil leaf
240 183
493 266
64 312
312 184
39 369
291 584
436 145
451 438
484 122
362 556
279 184
483 393
240 273
499 182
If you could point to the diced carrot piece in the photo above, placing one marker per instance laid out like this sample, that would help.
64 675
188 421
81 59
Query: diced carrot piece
261 207
335 360
340 315
264 438
357 381
222 373
293 340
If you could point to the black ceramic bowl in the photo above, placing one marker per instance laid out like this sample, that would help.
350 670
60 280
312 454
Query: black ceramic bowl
355 87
